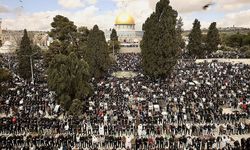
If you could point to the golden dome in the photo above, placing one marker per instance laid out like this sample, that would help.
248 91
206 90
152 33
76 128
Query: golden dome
124 19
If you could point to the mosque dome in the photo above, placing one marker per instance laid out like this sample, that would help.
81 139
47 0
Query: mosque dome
124 19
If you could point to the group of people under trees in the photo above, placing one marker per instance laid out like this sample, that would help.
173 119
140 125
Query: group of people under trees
183 111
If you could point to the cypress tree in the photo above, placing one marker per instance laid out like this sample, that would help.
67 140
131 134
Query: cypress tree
68 76
113 35
23 54
81 41
213 38
195 41
68 72
159 46
97 55
114 41
179 31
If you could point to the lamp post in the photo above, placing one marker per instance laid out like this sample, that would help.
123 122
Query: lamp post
9 59
32 69
31 66
32 72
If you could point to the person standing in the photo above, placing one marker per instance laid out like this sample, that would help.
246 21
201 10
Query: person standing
128 144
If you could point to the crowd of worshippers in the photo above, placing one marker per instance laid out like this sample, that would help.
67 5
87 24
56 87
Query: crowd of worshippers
218 54
77 141
227 54
127 62
182 111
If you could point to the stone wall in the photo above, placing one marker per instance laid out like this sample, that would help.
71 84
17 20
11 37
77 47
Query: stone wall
130 50
39 38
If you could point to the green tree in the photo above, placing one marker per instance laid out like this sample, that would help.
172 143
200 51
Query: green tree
5 75
64 34
195 41
235 40
68 72
76 108
114 43
37 51
213 38
62 29
203 38
23 55
97 55
244 49
158 45
223 37
247 54
54 48
179 31
68 76
246 40
83 33
81 41
226 48
113 35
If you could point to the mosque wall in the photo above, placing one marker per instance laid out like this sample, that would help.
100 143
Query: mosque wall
14 37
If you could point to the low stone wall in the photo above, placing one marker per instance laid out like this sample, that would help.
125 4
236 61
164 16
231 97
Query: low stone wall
130 50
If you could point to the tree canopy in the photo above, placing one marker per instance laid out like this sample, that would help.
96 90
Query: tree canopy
113 35
114 43
179 31
5 75
159 46
76 108
68 72
195 41
81 41
63 33
237 40
23 54
68 76
213 39
97 55
62 29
